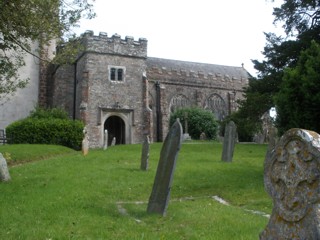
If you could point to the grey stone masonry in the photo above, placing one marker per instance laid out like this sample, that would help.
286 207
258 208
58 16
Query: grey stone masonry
115 45
292 179
113 85
160 195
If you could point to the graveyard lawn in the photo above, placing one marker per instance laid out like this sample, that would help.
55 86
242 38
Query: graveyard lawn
104 195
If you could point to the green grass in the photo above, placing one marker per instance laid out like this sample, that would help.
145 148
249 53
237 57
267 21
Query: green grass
71 196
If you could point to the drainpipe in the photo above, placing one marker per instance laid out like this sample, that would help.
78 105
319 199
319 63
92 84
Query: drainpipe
158 111
74 90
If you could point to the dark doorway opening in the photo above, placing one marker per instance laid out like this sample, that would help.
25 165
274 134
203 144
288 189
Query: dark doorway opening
116 128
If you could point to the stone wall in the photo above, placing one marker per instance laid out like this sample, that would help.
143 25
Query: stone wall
150 89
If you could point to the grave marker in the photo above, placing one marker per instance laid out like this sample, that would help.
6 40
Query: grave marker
85 143
160 195
113 142
105 143
145 153
4 172
292 179
229 141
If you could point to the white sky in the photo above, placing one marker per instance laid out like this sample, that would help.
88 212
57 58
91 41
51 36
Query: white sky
225 32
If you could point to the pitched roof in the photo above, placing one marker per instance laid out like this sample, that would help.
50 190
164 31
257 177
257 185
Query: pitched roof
204 68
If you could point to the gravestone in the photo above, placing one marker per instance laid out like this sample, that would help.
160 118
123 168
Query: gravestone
85 143
292 179
186 135
229 140
4 172
203 136
145 153
113 142
160 195
105 143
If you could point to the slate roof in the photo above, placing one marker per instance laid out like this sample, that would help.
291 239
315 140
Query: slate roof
205 68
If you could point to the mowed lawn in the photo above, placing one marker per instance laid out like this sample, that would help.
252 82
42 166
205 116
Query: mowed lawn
56 193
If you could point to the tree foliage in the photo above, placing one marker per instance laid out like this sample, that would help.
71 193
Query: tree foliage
298 100
198 120
24 22
300 19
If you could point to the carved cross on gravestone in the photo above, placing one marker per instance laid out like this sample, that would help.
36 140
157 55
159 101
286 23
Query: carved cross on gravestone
4 172
292 179
160 195
229 141
145 153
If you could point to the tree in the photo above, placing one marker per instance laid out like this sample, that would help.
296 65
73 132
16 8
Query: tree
198 120
298 100
25 22
302 26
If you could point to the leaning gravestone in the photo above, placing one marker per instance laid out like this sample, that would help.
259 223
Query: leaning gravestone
4 172
229 141
292 179
160 195
145 153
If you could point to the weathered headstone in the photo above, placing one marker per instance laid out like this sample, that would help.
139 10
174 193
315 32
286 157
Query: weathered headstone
113 142
105 143
292 179
145 153
160 195
229 141
186 135
85 143
203 136
4 172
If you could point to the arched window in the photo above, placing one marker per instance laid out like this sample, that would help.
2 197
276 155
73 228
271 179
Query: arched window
217 105
178 101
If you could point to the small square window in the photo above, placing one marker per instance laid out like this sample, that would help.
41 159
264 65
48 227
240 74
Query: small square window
116 73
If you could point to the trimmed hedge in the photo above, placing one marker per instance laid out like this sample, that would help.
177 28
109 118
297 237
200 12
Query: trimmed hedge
56 131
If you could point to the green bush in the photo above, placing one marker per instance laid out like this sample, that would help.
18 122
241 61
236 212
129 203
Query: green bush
49 113
46 129
199 121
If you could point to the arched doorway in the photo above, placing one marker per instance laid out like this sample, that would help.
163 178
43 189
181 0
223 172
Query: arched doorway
116 128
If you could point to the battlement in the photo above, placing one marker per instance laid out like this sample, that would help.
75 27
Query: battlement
115 45
187 73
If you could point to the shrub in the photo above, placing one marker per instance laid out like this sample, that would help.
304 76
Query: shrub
199 120
49 113
43 128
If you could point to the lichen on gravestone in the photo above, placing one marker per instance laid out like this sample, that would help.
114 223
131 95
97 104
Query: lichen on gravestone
292 179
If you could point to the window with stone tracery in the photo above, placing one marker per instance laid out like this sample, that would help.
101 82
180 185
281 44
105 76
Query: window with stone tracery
217 106
177 102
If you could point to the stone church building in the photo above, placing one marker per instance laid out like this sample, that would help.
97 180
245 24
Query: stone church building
115 86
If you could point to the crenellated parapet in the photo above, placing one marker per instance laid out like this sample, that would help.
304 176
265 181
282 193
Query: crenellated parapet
187 77
115 44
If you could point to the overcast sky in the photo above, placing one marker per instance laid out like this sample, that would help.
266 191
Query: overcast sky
225 32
